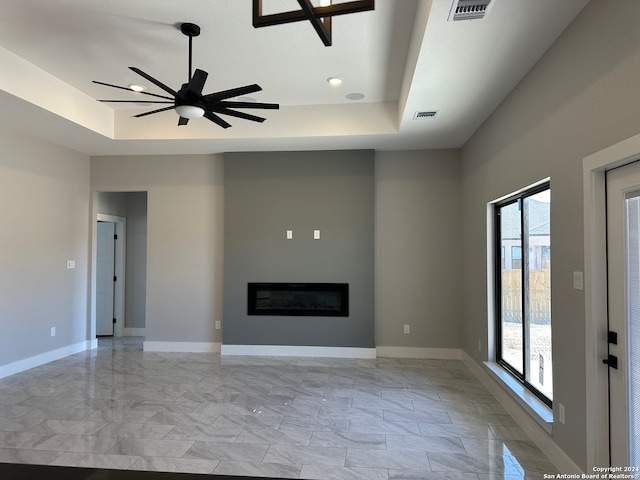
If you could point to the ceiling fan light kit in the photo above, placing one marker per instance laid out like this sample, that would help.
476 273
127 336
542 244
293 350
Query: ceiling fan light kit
189 111
189 102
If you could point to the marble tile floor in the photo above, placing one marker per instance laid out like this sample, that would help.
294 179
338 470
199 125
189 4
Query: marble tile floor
118 407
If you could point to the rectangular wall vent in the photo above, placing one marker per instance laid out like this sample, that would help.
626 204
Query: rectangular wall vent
468 9
425 115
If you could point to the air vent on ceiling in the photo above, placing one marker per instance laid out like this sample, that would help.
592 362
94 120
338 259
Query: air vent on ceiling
425 115
468 9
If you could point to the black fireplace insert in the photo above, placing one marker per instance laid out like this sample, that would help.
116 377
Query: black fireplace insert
298 299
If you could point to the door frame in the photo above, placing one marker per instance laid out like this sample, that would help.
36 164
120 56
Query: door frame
595 289
119 272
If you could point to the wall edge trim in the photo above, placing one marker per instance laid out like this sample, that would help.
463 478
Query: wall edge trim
299 351
186 347
46 357
420 352
535 431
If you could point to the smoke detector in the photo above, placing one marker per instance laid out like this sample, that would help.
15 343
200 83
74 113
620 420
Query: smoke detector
469 9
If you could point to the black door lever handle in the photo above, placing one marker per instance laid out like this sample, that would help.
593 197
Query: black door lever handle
612 361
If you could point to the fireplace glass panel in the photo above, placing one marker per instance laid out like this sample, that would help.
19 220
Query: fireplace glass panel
296 299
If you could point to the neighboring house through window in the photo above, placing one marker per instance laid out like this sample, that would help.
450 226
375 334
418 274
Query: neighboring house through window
523 288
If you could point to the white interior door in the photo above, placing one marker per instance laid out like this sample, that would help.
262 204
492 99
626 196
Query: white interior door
623 258
105 255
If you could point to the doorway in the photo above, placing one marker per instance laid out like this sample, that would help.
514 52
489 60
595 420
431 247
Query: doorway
598 344
623 358
105 278
110 277
127 211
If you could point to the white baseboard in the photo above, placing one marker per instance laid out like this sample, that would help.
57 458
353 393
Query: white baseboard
36 360
134 332
190 347
419 352
528 423
298 351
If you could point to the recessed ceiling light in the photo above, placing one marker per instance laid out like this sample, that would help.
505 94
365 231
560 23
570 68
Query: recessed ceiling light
354 96
136 88
334 81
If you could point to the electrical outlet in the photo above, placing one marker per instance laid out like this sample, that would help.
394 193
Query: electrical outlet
407 329
561 413
217 324
53 331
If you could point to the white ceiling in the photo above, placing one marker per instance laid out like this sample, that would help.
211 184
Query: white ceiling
403 57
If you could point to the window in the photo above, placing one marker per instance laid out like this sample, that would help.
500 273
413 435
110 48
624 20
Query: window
516 257
523 289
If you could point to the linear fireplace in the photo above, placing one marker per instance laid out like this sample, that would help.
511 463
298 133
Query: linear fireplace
298 299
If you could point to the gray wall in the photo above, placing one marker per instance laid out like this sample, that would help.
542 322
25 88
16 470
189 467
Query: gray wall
418 241
185 232
136 263
269 193
44 208
581 97
111 203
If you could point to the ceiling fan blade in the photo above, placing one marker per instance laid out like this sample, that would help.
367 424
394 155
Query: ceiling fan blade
155 111
234 92
216 119
196 84
270 106
129 90
183 121
245 116
158 83
133 101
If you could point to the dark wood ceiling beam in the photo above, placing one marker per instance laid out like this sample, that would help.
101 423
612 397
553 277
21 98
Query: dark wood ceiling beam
320 17
317 22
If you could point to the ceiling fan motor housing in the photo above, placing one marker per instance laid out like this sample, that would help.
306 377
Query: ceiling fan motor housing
185 97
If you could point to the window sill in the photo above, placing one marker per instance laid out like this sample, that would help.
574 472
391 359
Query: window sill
537 409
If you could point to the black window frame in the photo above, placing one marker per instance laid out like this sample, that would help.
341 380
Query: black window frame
497 244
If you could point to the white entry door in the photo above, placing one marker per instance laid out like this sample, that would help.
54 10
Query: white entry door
623 246
105 269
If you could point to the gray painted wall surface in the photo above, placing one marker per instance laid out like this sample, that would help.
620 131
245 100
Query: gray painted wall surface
269 193
44 208
185 233
581 97
418 241
111 203
136 263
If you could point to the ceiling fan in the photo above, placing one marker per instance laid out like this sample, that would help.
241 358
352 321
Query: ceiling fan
189 102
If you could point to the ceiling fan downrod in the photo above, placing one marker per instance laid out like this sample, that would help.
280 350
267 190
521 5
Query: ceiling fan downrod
190 30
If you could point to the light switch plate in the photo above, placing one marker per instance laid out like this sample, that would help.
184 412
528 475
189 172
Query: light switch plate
289 234
71 264
316 234
578 281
